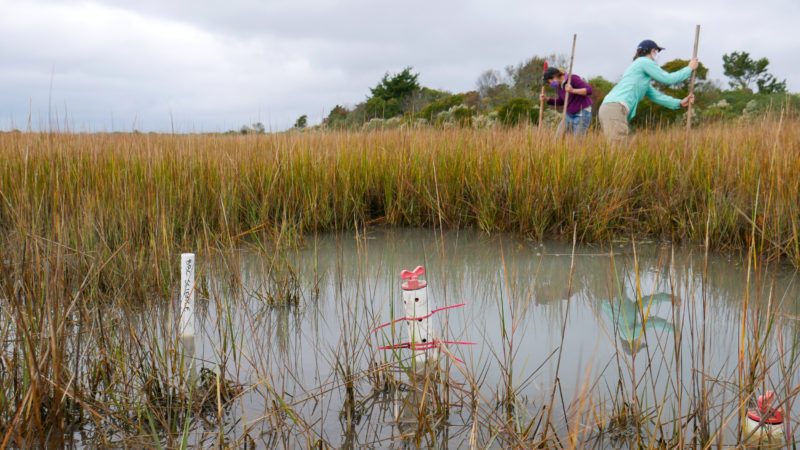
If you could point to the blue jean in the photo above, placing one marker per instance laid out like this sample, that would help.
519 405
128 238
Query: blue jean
578 122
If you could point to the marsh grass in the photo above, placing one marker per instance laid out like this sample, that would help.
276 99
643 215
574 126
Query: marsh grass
156 193
92 226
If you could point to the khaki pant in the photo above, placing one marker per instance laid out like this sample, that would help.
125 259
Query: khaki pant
613 119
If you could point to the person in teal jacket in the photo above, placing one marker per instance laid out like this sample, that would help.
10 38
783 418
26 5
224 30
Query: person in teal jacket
619 106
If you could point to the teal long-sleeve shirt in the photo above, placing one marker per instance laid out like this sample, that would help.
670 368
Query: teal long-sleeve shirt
635 84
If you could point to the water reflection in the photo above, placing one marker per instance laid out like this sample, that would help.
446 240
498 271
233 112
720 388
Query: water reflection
308 354
631 318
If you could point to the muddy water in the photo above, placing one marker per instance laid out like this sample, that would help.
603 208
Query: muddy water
536 311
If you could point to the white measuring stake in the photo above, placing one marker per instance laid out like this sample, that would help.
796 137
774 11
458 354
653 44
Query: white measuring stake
765 424
187 296
420 331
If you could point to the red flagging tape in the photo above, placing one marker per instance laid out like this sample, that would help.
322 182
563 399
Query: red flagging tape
418 318
426 346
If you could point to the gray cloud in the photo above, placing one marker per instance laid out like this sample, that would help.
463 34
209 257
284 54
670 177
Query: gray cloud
212 66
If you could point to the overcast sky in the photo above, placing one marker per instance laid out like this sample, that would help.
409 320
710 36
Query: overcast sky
199 65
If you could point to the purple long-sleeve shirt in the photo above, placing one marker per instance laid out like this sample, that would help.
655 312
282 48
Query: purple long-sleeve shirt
576 102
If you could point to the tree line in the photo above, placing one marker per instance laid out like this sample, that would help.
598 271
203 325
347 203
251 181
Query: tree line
510 96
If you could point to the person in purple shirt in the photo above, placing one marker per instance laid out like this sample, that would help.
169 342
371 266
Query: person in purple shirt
579 106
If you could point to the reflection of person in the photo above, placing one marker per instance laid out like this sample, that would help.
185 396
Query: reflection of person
627 318
579 106
619 106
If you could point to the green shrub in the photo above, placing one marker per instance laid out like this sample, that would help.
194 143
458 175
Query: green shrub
377 107
337 118
462 115
434 108
518 110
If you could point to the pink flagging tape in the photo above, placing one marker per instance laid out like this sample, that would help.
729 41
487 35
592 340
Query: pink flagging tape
418 318
458 342
426 346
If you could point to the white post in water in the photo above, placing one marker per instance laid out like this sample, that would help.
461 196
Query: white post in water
764 425
186 329
420 333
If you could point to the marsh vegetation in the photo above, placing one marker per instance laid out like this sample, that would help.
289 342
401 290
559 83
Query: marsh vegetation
300 238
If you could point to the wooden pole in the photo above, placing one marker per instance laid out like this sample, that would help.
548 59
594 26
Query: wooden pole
541 102
691 86
569 79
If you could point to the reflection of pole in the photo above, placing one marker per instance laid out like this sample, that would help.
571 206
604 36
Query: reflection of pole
418 413
691 87
569 80
410 410
189 358
186 328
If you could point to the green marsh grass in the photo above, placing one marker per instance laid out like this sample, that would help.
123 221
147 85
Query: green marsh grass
91 226
156 193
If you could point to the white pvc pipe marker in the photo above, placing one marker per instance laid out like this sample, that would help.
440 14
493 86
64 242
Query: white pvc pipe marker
187 295
418 311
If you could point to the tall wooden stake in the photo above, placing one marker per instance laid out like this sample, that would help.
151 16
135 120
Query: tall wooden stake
541 102
691 86
569 79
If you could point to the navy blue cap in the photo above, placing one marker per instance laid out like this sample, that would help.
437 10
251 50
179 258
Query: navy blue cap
550 73
648 44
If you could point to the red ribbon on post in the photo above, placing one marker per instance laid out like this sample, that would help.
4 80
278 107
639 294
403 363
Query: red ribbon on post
418 318
425 346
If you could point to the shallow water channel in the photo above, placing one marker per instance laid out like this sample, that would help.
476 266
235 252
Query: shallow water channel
537 313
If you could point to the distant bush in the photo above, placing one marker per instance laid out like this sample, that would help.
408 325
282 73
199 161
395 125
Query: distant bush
377 107
337 118
518 110
257 128
434 108
462 115
397 86
743 105
458 115
383 124
600 88
485 120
